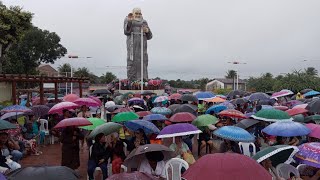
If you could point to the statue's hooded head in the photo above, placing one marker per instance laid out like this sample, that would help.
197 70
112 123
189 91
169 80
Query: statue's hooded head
137 14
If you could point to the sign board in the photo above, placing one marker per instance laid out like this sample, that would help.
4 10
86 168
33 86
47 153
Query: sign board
48 85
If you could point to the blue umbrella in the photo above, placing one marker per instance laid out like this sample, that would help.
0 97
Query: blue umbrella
234 133
216 109
155 117
311 93
258 96
146 126
161 110
201 95
286 129
16 108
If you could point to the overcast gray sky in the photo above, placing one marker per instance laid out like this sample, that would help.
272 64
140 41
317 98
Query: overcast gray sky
192 38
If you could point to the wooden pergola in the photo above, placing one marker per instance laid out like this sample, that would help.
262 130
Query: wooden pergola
15 78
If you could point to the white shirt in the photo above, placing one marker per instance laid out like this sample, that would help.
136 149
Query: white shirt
146 168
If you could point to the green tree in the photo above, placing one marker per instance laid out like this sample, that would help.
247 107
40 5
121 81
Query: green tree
108 77
82 72
14 22
311 71
231 74
35 47
64 69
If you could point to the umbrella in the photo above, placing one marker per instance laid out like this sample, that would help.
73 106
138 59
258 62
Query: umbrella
161 110
4 125
180 129
143 113
40 110
70 97
124 109
205 120
286 129
182 117
77 121
271 115
15 108
186 108
50 105
44 172
201 95
132 176
146 126
305 91
215 109
249 114
299 118
234 133
113 108
58 108
221 96
174 107
96 99
267 107
135 101
95 123
293 103
106 129
277 154
12 115
303 106
155 117
282 108
315 130
160 99
231 94
86 102
228 104
246 123
311 93
295 111
215 100
125 116
226 166
175 96
135 157
232 113
281 94
309 153
315 117
259 96
239 101
100 92
189 97
314 106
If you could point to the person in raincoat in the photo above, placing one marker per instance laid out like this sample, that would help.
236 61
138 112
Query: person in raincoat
299 96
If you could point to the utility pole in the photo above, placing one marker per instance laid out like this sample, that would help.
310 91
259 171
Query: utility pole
237 62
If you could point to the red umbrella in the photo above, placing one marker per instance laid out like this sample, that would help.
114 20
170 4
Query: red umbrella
70 97
175 96
295 111
86 102
77 121
232 113
282 108
125 109
143 113
182 117
225 166
58 108
96 99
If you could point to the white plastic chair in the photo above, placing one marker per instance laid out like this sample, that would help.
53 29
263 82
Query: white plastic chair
125 150
175 165
284 171
97 168
44 128
245 148
301 167
124 168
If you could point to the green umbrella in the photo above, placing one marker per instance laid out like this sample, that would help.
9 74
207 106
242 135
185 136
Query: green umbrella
125 116
299 118
205 120
315 117
277 154
95 123
272 115
106 128
6 125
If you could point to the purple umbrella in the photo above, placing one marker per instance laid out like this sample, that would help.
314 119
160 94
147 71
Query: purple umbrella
293 103
181 129
40 110
135 101
259 96
309 153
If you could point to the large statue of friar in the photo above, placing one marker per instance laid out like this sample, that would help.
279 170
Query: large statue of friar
132 29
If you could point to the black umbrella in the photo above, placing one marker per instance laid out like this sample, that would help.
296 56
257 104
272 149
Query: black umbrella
144 93
233 93
189 97
239 101
115 107
314 106
258 96
305 91
100 92
173 107
246 123
44 173
186 108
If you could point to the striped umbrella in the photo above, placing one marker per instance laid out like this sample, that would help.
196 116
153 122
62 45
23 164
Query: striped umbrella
160 99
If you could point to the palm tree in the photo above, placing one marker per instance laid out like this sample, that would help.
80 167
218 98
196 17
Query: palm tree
64 69
311 71
231 74
82 72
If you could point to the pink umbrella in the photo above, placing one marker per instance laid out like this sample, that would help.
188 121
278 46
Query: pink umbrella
295 111
143 113
182 117
300 106
232 113
58 108
70 97
225 166
96 99
175 96
126 109
86 102
315 130
281 94
77 121
282 108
